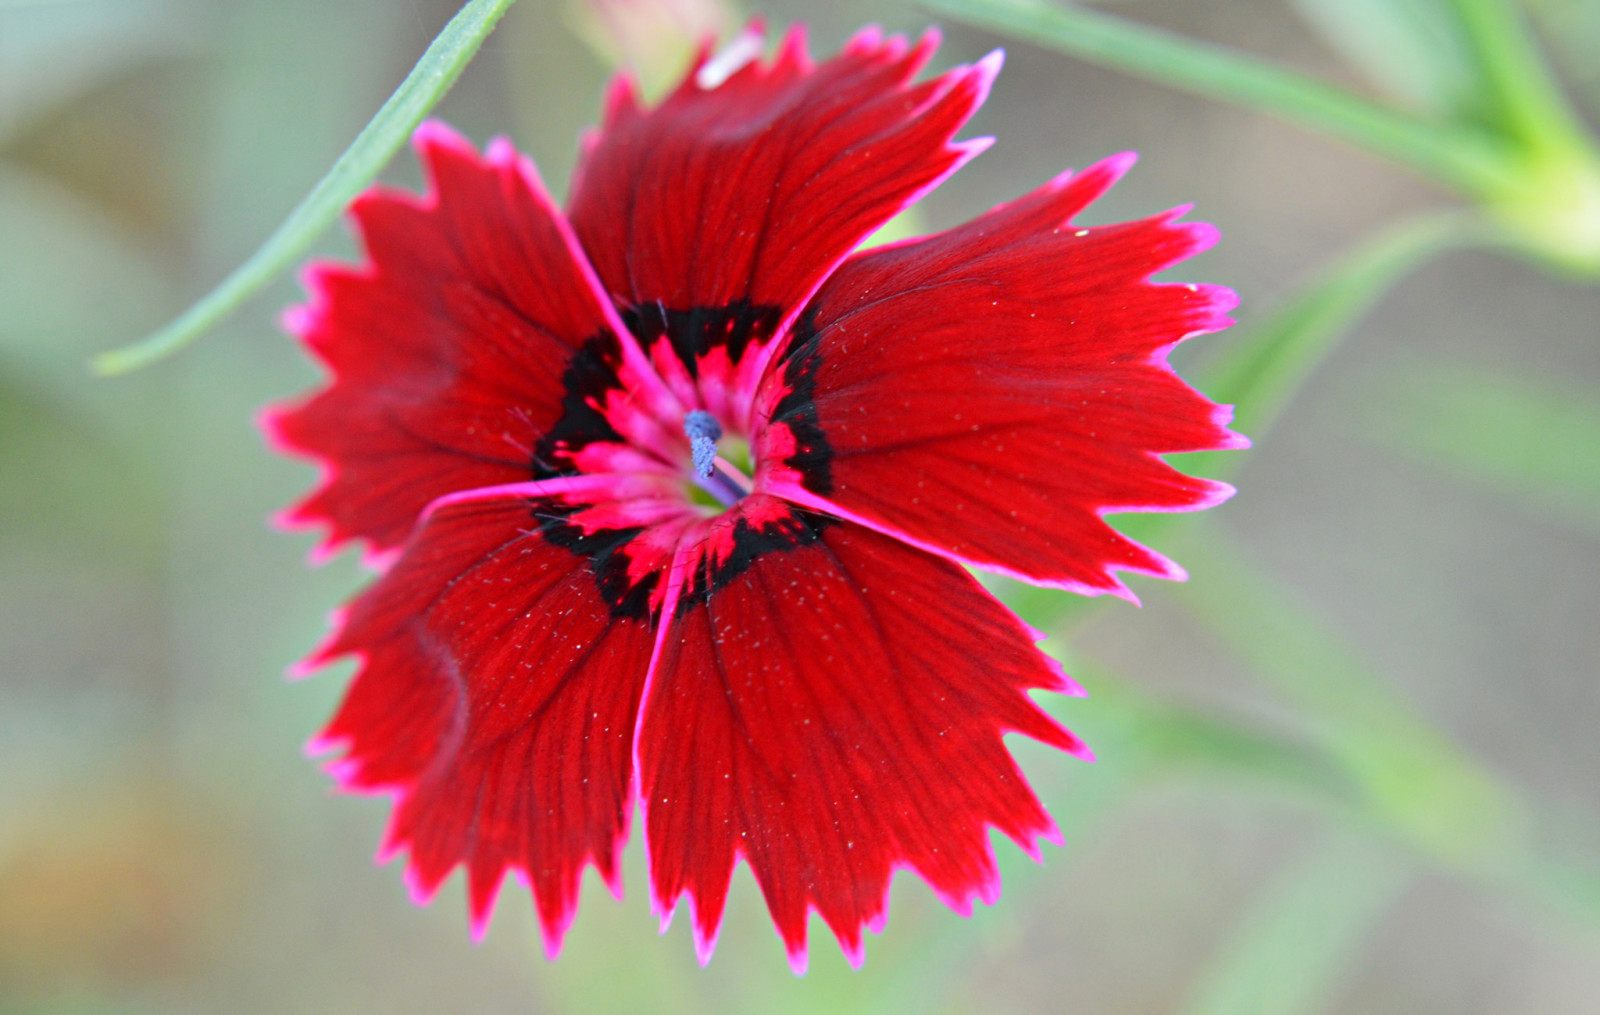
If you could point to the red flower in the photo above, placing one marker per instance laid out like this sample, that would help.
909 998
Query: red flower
583 605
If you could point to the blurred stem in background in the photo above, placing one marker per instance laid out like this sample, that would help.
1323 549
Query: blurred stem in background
391 126
1529 439
1515 149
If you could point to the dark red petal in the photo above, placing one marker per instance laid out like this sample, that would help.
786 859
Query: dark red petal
990 392
744 195
496 701
446 350
830 713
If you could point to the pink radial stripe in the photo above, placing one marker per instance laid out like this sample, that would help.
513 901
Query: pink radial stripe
505 741
581 488
656 201
747 382
649 401
1000 436
865 681
980 78
446 349
796 494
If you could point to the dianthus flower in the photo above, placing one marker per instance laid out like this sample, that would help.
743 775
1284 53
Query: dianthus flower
671 492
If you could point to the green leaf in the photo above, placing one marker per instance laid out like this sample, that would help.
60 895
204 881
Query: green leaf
1572 889
1417 784
1416 50
1291 946
1528 103
1552 198
377 143
1147 738
1460 157
907 225
1267 362
1417 787
1533 439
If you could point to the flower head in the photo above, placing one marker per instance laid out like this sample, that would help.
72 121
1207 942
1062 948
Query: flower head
671 491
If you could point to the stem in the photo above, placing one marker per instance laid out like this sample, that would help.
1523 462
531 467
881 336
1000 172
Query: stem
1461 157
434 73
1533 107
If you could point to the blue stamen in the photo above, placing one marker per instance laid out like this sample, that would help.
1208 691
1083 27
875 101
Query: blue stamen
704 431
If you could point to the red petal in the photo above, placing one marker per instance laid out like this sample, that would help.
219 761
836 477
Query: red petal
447 349
990 392
749 192
831 713
496 700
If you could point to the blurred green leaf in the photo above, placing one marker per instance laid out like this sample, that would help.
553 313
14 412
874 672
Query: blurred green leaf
653 41
1266 363
1532 439
443 62
1417 783
907 225
1457 155
1419 789
1147 737
1290 947
1144 739
1528 103
1185 740
1414 49
1569 888
1533 165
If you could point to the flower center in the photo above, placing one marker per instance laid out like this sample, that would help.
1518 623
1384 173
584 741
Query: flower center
704 431
715 477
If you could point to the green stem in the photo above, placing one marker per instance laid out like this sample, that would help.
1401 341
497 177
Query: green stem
434 73
1530 102
1461 157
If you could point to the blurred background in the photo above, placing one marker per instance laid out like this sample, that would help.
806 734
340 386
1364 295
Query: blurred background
1417 536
